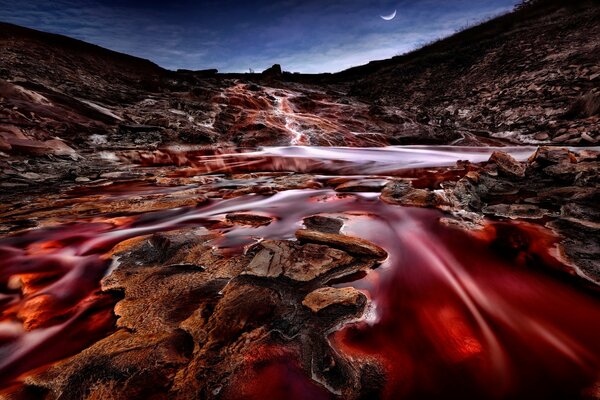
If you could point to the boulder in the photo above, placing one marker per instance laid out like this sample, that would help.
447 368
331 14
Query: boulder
507 165
323 224
352 245
248 219
274 71
303 263
324 297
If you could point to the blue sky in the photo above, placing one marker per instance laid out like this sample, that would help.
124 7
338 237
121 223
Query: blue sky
233 36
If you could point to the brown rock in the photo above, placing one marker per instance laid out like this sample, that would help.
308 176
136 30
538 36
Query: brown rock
323 224
350 244
395 190
552 155
507 165
298 262
59 148
515 211
362 185
402 193
4 145
37 148
585 136
248 219
325 297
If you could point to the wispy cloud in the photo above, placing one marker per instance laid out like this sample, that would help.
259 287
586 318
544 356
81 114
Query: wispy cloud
304 36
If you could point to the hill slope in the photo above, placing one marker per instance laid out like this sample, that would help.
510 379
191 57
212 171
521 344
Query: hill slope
530 76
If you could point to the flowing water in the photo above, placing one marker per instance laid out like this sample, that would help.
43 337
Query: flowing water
453 314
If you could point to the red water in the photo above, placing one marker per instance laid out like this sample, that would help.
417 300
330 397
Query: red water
390 160
453 314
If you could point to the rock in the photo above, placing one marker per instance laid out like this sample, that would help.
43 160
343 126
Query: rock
248 219
322 298
395 190
588 138
572 170
507 165
37 148
551 155
350 244
31 176
580 245
541 136
138 128
323 224
402 193
4 145
274 71
137 204
515 211
362 185
59 148
277 258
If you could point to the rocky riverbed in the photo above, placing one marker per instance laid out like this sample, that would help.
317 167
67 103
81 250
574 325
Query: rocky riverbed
329 272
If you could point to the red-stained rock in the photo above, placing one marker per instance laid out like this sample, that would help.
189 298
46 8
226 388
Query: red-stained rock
326 297
353 245
507 165
298 262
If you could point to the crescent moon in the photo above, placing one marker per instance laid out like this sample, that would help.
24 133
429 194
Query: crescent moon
389 17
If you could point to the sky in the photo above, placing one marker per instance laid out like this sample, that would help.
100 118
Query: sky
307 36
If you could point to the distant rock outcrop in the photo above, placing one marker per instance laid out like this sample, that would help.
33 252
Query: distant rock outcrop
273 72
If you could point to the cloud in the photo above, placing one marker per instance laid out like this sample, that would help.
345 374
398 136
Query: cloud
143 35
304 36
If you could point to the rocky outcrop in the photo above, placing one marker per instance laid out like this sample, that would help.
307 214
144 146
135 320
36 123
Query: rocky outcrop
327 297
190 319
350 244
555 183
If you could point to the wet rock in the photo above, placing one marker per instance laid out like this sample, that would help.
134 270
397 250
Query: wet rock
38 148
574 170
515 211
248 219
584 213
350 244
126 129
138 204
585 136
323 224
325 297
4 145
276 258
544 156
362 185
148 361
507 165
395 190
580 245
403 193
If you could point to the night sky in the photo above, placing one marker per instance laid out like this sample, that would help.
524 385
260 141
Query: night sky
233 36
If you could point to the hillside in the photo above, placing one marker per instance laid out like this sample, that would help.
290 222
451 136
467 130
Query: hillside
532 76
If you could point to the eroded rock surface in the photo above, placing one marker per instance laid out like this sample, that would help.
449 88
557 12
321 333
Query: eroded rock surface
190 318
554 183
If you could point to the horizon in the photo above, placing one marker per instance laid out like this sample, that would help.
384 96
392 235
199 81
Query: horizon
236 37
